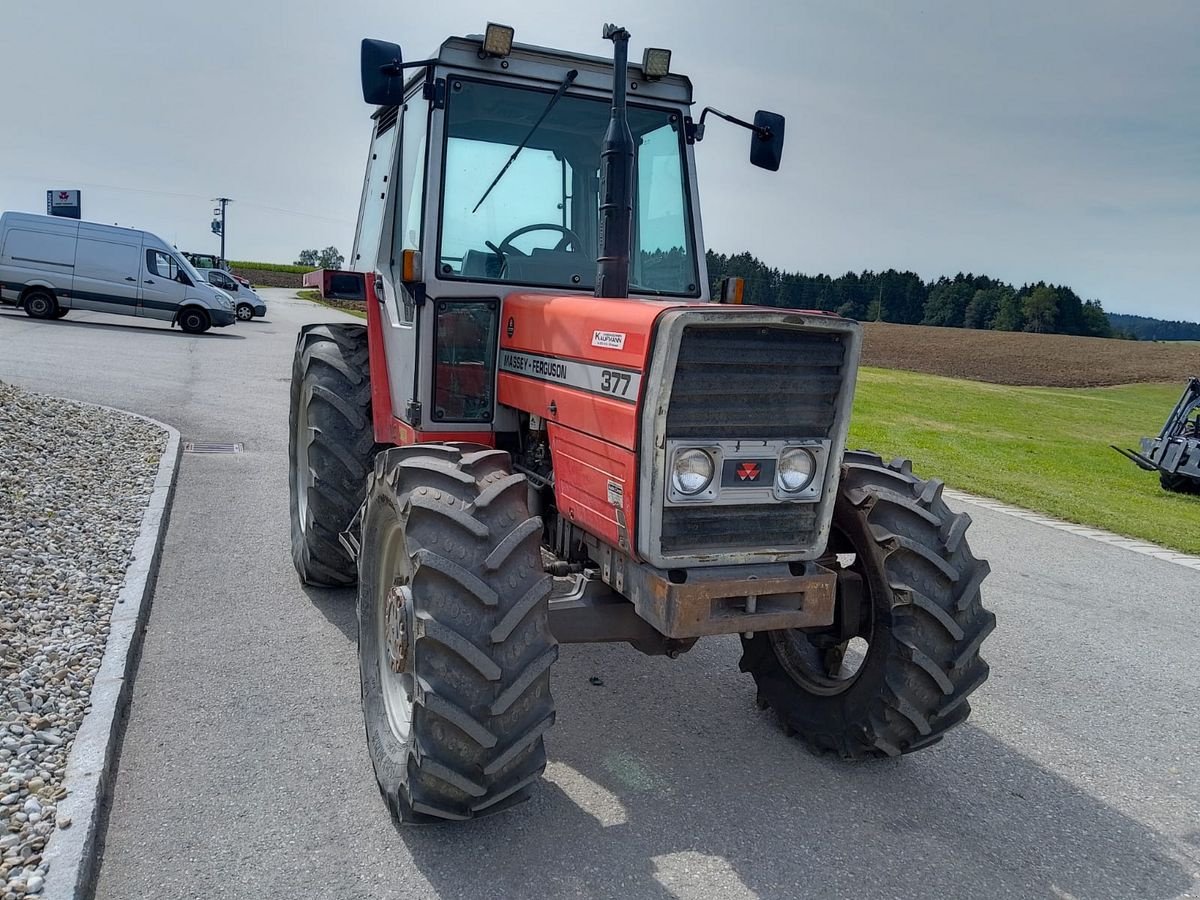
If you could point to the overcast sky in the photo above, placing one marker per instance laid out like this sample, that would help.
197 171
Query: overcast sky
1027 140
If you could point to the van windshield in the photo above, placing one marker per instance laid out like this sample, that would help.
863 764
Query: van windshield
186 265
539 224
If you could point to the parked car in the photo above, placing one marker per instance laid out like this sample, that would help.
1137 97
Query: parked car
50 266
246 302
204 261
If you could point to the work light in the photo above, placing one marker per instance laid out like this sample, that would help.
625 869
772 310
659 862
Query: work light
656 63
497 40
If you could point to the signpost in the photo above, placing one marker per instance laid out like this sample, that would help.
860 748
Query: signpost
63 203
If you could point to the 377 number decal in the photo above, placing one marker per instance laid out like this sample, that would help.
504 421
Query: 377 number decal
616 383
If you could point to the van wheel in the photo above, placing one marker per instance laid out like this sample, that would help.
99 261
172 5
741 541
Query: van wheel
193 320
245 312
40 305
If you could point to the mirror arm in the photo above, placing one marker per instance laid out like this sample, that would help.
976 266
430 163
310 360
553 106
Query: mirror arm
697 129
395 67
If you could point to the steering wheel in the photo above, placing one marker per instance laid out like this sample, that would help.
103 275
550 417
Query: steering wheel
569 239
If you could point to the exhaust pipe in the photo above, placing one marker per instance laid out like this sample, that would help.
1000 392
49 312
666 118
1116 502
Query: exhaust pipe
616 180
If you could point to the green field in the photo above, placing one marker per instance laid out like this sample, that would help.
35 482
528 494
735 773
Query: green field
1045 449
270 267
315 297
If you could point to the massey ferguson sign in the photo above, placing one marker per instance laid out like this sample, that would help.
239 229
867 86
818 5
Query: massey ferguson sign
63 203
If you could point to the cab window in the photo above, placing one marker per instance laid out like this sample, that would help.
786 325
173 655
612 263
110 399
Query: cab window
164 266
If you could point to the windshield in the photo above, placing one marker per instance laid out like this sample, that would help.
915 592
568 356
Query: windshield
539 224
186 265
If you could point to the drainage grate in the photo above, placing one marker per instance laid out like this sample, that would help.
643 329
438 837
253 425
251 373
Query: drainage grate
210 447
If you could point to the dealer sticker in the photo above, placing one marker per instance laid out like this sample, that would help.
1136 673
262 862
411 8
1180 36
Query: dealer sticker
611 340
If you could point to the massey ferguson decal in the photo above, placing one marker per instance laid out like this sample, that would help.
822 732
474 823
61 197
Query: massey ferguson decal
619 384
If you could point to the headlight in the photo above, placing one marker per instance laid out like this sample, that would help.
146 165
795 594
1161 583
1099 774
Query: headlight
795 470
693 471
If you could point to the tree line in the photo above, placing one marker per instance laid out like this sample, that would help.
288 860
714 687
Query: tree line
964 301
1145 328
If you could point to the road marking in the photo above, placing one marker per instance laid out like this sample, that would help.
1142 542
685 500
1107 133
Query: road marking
1092 534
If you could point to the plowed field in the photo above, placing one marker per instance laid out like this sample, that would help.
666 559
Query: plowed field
1002 357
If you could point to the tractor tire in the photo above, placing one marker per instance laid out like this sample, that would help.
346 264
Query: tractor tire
1179 484
330 450
40 305
454 642
922 622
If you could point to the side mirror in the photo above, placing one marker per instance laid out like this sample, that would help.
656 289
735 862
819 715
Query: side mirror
766 141
382 81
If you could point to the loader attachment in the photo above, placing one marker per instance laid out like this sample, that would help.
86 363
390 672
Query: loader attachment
1175 453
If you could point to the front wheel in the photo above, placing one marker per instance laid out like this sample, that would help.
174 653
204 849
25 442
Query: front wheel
454 642
194 320
899 676
245 312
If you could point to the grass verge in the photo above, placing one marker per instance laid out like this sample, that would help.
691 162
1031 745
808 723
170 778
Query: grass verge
1045 449
315 297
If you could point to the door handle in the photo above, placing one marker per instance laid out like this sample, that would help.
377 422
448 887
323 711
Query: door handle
149 281
130 278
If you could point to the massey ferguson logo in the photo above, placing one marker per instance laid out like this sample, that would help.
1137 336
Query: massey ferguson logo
748 471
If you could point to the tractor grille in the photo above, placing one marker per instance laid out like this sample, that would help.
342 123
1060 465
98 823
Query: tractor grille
696 529
755 382
759 382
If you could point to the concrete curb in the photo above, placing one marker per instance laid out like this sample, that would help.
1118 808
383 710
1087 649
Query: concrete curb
1145 548
70 853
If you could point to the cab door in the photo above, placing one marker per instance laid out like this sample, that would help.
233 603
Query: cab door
163 285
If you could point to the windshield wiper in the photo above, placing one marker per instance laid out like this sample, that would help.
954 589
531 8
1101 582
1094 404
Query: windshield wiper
562 89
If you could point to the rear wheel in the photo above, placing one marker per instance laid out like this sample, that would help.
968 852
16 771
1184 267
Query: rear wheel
40 305
901 680
194 320
454 641
332 444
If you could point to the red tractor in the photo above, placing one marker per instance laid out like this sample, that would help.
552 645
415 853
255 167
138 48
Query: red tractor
548 432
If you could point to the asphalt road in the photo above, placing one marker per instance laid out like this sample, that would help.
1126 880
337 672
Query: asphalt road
244 772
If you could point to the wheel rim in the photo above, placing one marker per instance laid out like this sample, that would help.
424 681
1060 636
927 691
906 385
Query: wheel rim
39 306
817 662
303 438
244 313
192 321
393 632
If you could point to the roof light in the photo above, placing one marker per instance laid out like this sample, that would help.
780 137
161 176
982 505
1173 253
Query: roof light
497 40
656 63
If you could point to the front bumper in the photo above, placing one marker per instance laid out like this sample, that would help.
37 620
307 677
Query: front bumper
260 310
222 317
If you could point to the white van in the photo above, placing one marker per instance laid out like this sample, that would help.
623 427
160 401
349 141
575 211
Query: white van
50 265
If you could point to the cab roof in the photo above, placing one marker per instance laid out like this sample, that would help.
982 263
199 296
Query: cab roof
549 65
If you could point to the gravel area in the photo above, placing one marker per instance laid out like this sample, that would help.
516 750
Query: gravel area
74 484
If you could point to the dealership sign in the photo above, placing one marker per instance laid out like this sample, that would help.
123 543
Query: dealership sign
63 203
